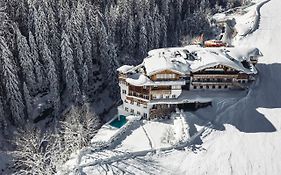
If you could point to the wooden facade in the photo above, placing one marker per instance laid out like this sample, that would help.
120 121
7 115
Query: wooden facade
135 100
166 72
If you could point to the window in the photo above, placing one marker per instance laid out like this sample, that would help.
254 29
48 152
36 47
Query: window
126 109
176 87
138 113
167 97
219 87
165 76
214 87
225 87
124 91
207 87
138 104
174 96
132 102
132 111
195 87
201 87
145 115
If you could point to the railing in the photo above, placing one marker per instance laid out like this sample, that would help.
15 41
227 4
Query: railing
223 75
212 83
164 92
212 80
135 94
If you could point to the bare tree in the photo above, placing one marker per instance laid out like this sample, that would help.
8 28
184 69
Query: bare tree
32 155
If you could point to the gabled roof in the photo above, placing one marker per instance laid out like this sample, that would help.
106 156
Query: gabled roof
157 63
192 58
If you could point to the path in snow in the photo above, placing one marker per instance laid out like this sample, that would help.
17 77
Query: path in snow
148 138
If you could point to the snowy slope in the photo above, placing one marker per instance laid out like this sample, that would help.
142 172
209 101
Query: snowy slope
250 143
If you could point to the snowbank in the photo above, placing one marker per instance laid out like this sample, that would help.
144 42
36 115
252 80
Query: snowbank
107 134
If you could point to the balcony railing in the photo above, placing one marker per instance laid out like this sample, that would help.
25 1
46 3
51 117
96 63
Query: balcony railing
135 94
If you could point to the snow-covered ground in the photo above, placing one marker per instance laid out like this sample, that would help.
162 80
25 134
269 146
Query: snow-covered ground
247 137
250 143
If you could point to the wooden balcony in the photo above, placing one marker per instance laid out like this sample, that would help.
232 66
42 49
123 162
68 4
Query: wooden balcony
211 83
215 75
154 92
138 95
137 100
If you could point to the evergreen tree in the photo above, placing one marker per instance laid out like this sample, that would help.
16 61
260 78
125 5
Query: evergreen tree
85 81
41 28
70 76
28 101
11 84
143 41
87 52
3 119
26 62
37 65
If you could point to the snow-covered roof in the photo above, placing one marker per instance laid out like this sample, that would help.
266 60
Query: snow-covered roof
230 57
125 68
166 59
191 58
142 80
179 59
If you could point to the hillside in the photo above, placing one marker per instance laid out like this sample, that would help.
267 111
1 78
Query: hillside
247 135
250 142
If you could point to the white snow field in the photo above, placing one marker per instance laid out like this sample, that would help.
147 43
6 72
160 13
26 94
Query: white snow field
250 143
247 138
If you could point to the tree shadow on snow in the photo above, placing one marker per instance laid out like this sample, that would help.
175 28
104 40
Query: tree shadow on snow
242 113
134 165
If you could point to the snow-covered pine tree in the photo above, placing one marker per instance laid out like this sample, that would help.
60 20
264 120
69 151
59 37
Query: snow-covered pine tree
163 32
130 37
157 28
37 65
11 84
3 118
26 62
143 41
53 81
87 52
28 101
69 73
85 81
41 28
104 50
150 35
54 39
